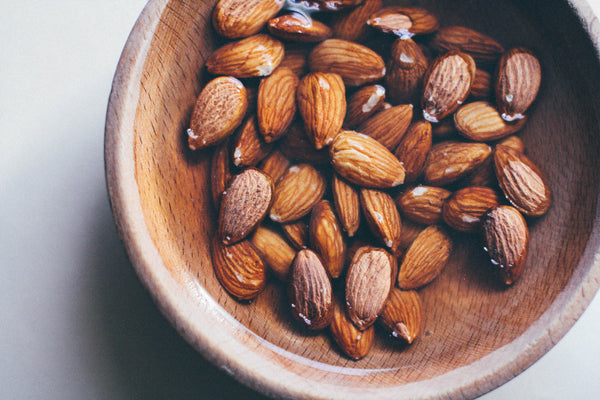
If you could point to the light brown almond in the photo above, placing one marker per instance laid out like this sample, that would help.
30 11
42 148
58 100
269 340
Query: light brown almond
274 250
481 121
220 172
363 104
241 18
248 146
347 204
219 110
451 160
352 24
465 208
297 233
404 21
275 164
423 204
296 145
326 238
382 217
299 28
405 70
402 315
482 84
483 48
388 126
353 342
444 129
276 103
413 149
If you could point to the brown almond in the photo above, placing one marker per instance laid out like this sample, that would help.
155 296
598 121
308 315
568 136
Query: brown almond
296 145
444 129
465 208
358 65
388 126
297 233
276 103
244 204
410 231
254 56
296 193
296 58
405 70
423 204
481 121
506 240
425 259
353 342
336 5
274 250
241 18
447 83
480 46
402 315
321 101
220 172
274 164
239 268
404 21
347 204
450 160
413 149
482 84
326 238
219 110
363 104
310 292
352 24
382 217
514 142
518 79
522 182
364 161
298 27
248 147
368 284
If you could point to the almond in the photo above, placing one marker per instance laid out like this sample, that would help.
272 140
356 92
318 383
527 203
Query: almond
368 284
413 149
514 142
352 24
347 204
310 292
425 259
518 79
244 204
388 126
353 342
506 240
299 27
405 70
404 21
402 315
326 238
274 250
297 233
482 84
522 182
451 160
481 47
220 173
296 58
249 148
275 164
364 161
296 193
364 103
296 145
241 18
447 83
382 216
423 204
358 65
444 128
276 103
219 110
322 105
335 5
239 268
465 208
410 231
254 56
481 121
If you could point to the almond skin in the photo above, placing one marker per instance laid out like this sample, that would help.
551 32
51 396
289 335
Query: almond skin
239 268
296 145
447 83
353 342
299 28
368 284
296 193
404 21
296 58
244 204
423 204
465 208
352 24
275 164
274 250
388 126
402 315
358 65
347 204
254 56
382 217
297 233
321 101
363 104
326 238
449 161
241 18
481 121
220 172
310 292
364 161
405 70
481 47
276 103
522 182
506 240
248 147
413 149
482 85
219 110
425 258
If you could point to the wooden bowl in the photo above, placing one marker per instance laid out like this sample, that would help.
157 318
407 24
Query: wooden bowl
477 335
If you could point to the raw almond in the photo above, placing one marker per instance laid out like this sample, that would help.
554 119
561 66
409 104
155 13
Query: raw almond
482 84
364 161
480 46
274 250
219 110
352 24
275 164
404 21
296 58
423 204
241 18
402 315
297 233
465 208
254 56
310 292
425 259
481 121
276 103
239 268
347 204
326 238
299 28
522 182
358 65
220 173
413 149
368 284
335 5
353 342
410 231
382 217
506 240
244 204
447 83
451 160
405 70
388 126
322 105
364 103
514 142
249 148
296 193
444 128
296 145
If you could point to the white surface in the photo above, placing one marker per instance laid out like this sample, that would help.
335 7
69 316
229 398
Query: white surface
75 322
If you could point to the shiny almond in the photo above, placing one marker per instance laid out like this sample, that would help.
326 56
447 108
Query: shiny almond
276 103
326 238
404 21
363 104
465 208
241 18
299 28
405 70
481 121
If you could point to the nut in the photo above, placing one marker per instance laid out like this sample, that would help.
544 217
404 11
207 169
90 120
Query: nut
352 341
241 18
413 149
465 208
402 315
326 238
451 160
423 204
382 217
481 121
347 204
274 250
388 126
276 103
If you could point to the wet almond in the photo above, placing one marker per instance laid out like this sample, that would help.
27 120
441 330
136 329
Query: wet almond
276 103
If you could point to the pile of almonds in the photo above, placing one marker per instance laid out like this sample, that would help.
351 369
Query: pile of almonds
364 165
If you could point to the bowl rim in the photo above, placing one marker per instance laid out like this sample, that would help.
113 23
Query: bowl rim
200 323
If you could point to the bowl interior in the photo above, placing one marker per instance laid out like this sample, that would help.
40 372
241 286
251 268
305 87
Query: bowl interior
468 316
